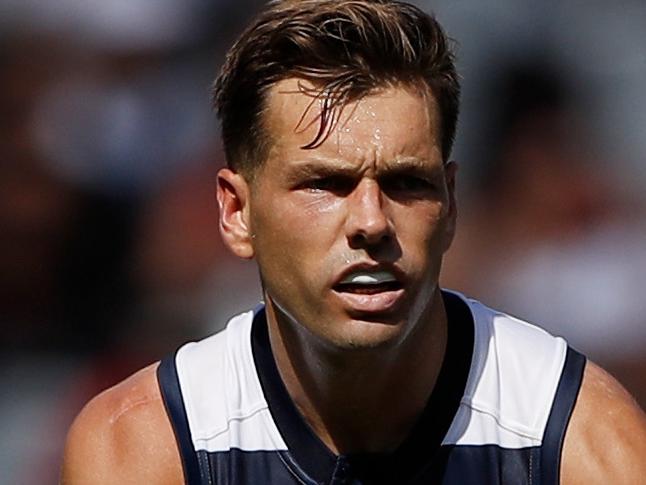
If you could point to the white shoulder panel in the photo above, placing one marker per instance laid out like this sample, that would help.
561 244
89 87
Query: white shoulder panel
513 378
222 395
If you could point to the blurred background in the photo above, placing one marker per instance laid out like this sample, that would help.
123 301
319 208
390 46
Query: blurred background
109 250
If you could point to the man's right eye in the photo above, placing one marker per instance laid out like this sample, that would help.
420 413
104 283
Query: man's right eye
336 184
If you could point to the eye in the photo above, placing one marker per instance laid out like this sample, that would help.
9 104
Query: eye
406 184
335 184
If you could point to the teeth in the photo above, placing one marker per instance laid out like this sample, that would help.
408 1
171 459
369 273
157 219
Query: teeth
373 278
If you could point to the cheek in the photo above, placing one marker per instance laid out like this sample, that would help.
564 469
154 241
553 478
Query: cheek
296 236
292 253
423 234
424 220
304 219
320 214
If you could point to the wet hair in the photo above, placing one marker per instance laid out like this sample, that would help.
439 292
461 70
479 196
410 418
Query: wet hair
346 49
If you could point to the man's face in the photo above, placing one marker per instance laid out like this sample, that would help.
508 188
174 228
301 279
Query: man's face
349 236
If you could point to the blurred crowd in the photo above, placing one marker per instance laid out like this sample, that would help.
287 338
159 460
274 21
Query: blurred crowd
109 249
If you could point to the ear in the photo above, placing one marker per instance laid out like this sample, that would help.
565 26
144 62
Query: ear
450 173
233 201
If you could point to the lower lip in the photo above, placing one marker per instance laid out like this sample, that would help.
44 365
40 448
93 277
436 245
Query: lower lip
375 303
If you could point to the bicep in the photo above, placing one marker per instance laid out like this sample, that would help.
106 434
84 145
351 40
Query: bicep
606 438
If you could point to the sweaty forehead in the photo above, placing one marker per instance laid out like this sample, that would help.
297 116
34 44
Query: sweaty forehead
391 122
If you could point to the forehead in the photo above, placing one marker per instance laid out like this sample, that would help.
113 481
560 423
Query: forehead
390 122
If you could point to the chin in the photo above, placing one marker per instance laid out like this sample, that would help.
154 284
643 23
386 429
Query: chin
365 335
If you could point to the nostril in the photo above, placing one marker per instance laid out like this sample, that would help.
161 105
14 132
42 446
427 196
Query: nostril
363 239
357 241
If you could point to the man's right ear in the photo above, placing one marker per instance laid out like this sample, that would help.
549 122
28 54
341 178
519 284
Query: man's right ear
233 200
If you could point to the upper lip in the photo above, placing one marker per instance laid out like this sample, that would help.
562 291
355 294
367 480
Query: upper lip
369 267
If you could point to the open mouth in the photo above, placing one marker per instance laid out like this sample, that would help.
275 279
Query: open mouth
368 283
367 292
367 289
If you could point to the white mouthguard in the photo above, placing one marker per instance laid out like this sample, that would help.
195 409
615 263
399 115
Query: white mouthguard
366 278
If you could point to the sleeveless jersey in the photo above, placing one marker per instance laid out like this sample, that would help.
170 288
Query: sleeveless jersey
497 414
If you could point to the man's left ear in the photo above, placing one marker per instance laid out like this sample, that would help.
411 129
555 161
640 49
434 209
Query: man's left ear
450 173
233 201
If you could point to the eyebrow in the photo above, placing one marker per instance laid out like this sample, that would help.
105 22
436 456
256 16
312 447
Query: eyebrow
410 164
337 167
321 168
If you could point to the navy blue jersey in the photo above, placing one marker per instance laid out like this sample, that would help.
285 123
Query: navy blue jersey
497 415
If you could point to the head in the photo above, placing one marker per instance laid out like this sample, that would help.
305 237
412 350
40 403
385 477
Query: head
345 49
338 118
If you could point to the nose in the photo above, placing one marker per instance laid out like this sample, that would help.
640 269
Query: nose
367 224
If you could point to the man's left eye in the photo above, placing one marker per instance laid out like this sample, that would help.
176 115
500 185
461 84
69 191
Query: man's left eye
406 183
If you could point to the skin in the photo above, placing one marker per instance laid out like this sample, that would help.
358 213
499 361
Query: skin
377 193
380 195
123 436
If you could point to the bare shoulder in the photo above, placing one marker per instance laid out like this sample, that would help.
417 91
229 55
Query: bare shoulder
123 436
606 439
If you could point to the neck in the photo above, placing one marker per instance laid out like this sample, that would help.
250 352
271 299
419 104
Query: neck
360 400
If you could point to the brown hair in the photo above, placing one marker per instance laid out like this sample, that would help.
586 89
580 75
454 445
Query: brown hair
347 48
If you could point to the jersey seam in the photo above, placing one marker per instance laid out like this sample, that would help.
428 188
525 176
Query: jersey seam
515 428
208 435
292 471
531 472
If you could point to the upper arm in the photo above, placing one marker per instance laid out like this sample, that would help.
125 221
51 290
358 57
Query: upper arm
606 439
123 436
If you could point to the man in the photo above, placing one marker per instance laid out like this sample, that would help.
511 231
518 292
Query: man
338 118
